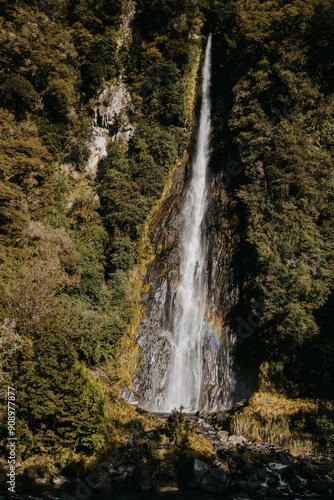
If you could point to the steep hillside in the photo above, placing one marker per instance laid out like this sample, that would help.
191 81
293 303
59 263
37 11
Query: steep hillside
70 229
273 143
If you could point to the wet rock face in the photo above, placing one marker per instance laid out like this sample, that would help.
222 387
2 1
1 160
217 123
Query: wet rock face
155 335
220 343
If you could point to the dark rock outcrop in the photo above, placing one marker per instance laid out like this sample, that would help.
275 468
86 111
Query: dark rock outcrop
154 334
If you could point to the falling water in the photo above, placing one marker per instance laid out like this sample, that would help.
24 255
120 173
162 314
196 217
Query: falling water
186 345
185 377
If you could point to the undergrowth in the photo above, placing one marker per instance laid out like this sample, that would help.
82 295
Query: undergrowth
299 425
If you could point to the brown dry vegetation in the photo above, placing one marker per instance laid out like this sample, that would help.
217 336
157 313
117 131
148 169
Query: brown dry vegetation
299 425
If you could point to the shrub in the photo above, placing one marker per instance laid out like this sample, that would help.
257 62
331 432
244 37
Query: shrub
59 100
177 426
100 63
18 95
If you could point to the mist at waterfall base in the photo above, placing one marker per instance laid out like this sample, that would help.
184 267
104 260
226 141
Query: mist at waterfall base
175 336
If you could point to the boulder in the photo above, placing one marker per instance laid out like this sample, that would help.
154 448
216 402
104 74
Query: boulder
164 480
272 480
275 492
59 480
193 472
221 417
122 473
214 481
261 491
255 486
234 440
167 489
285 458
262 473
145 485
319 485
252 478
223 436
243 485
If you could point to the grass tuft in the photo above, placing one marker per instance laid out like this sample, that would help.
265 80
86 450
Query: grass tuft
299 425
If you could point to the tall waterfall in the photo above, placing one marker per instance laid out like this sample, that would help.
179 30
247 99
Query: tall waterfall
185 375
185 341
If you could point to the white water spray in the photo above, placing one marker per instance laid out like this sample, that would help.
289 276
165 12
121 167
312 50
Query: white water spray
184 385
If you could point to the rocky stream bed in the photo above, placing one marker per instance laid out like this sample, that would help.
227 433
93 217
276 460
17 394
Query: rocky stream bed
236 470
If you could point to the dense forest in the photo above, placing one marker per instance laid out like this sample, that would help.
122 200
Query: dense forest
275 145
69 240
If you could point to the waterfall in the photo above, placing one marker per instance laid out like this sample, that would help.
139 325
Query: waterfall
185 376
186 346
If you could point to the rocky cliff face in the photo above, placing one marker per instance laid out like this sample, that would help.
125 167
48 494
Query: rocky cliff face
110 120
154 335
